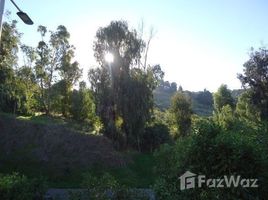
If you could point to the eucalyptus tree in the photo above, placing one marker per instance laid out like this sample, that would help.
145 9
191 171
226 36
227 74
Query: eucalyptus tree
123 88
9 47
68 70
54 61
42 69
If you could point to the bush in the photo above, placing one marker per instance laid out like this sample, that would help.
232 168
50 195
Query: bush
214 152
154 136
19 187
99 185
106 187
82 106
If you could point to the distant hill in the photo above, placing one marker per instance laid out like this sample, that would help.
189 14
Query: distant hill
236 93
202 101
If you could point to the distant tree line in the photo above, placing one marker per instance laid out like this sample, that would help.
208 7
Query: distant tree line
201 101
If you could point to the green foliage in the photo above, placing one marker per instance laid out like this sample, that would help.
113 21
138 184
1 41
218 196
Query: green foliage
181 111
161 117
28 91
54 58
106 187
34 87
224 105
154 136
19 187
118 85
163 93
201 101
99 186
83 106
255 77
123 95
226 118
222 98
246 110
236 93
68 71
9 46
217 152
17 85
138 173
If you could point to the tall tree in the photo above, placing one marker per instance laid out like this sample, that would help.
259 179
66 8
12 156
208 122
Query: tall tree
123 88
255 77
83 106
55 60
69 71
222 98
42 69
181 111
9 46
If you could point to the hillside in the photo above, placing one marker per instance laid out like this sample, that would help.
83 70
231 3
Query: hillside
54 145
50 148
202 101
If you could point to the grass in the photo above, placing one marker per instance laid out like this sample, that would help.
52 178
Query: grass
137 174
37 119
40 118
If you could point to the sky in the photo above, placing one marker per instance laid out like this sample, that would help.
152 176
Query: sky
200 44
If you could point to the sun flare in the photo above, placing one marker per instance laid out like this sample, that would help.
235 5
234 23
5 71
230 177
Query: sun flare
109 57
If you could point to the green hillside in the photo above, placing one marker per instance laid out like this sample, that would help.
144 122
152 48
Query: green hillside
202 101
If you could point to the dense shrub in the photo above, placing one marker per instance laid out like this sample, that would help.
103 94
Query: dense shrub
19 187
99 186
82 106
106 187
214 152
154 136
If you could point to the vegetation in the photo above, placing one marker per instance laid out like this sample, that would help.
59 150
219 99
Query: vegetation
216 153
105 135
255 78
118 85
201 102
16 186
181 111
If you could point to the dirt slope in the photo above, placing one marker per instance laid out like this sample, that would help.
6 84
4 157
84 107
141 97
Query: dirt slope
54 145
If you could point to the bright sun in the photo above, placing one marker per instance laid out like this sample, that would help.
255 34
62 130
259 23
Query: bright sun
109 57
